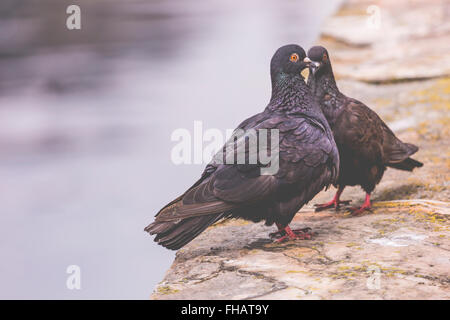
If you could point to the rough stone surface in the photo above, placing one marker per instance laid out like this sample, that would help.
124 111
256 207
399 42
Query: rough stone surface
395 40
399 250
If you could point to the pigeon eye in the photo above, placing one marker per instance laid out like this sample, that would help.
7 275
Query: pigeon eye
325 57
294 57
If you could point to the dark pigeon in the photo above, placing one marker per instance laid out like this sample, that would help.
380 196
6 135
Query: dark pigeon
308 162
366 144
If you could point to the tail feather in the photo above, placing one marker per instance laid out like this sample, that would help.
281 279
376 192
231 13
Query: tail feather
179 239
400 151
408 164
174 235
411 148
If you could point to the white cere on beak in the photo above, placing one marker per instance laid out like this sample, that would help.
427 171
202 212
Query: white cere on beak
308 60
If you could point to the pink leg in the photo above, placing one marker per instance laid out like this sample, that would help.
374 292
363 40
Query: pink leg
294 234
366 206
282 231
333 203
279 233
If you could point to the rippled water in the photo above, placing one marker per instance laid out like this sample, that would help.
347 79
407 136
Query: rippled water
86 118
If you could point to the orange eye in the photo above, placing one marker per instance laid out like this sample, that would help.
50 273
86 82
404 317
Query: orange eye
325 57
294 57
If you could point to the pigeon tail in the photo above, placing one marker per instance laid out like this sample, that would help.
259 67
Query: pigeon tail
399 151
408 164
175 234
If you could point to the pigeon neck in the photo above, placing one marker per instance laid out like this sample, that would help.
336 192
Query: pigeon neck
323 83
289 93
325 91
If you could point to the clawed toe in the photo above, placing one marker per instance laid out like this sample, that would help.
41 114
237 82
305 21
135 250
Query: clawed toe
323 206
288 234
277 234
302 231
365 207
297 236
332 204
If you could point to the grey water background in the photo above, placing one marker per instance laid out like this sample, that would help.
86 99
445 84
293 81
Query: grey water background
86 120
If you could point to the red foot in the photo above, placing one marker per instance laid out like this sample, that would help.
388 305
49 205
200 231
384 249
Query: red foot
333 203
288 234
281 232
366 206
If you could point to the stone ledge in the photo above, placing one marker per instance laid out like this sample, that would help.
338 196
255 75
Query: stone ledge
404 241
412 41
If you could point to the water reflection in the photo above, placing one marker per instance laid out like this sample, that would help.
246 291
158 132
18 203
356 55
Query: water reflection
86 123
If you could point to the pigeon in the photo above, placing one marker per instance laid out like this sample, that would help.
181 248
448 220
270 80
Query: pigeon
307 156
366 144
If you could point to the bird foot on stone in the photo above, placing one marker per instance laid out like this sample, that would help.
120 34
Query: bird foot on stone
365 207
281 233
288 234
277 234
331 204
299 236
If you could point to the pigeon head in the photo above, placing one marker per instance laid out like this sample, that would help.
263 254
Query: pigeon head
287 62
318 60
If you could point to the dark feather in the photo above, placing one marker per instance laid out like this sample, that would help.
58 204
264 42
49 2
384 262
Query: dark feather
366 144
408 164
308 162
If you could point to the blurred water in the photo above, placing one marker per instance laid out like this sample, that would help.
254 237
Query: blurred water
86 118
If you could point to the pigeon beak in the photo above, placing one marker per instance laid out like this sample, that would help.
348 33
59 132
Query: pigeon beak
313 65
307 63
